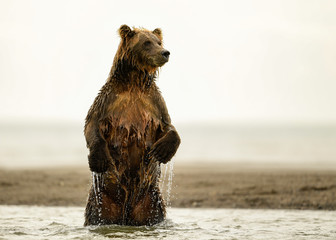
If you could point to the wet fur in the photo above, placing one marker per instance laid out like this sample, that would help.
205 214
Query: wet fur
129 133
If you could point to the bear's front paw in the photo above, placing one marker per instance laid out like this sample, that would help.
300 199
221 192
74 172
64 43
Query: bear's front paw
165 148
98 161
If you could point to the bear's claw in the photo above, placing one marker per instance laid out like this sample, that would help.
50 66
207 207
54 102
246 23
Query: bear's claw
165 148
98 161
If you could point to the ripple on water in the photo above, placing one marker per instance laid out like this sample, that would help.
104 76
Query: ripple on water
24 222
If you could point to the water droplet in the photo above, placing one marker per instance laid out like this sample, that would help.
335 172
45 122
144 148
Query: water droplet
97 185
165 185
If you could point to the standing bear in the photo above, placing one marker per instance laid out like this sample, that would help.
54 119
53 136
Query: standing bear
129 134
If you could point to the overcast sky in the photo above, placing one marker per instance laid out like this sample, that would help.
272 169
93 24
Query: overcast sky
231 61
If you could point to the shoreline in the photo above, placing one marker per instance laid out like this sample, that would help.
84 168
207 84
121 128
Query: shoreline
222 185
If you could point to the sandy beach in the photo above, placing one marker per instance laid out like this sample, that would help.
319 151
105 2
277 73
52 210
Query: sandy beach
194 185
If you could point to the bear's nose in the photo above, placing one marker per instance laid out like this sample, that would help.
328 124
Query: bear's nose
165 53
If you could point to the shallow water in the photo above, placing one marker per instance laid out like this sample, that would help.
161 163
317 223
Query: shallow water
31 222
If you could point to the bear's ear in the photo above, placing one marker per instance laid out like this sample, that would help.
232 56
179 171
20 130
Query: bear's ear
125 31
158 33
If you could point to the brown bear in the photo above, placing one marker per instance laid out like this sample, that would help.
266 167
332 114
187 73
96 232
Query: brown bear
129 134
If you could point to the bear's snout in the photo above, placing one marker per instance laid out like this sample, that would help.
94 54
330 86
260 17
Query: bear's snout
166 54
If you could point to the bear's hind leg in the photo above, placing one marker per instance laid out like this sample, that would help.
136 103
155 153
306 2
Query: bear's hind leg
105 212
149 210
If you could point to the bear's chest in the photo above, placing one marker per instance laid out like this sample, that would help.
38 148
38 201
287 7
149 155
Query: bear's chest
133 117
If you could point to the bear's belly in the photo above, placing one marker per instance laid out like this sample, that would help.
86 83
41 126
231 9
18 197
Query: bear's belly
129 147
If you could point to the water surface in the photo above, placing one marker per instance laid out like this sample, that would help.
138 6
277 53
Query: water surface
26 222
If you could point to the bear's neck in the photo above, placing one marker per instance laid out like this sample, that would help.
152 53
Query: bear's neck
128 76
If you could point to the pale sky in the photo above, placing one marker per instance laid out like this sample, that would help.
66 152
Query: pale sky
231 61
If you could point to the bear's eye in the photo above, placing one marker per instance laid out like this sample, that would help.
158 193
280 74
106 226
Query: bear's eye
160 43
147 43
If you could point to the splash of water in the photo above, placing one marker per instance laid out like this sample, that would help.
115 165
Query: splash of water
166 182
165 185
98 184
163 177
170 181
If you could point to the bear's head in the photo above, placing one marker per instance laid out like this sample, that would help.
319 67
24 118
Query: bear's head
142 48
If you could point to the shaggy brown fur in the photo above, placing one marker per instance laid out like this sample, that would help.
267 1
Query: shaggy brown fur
129 133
